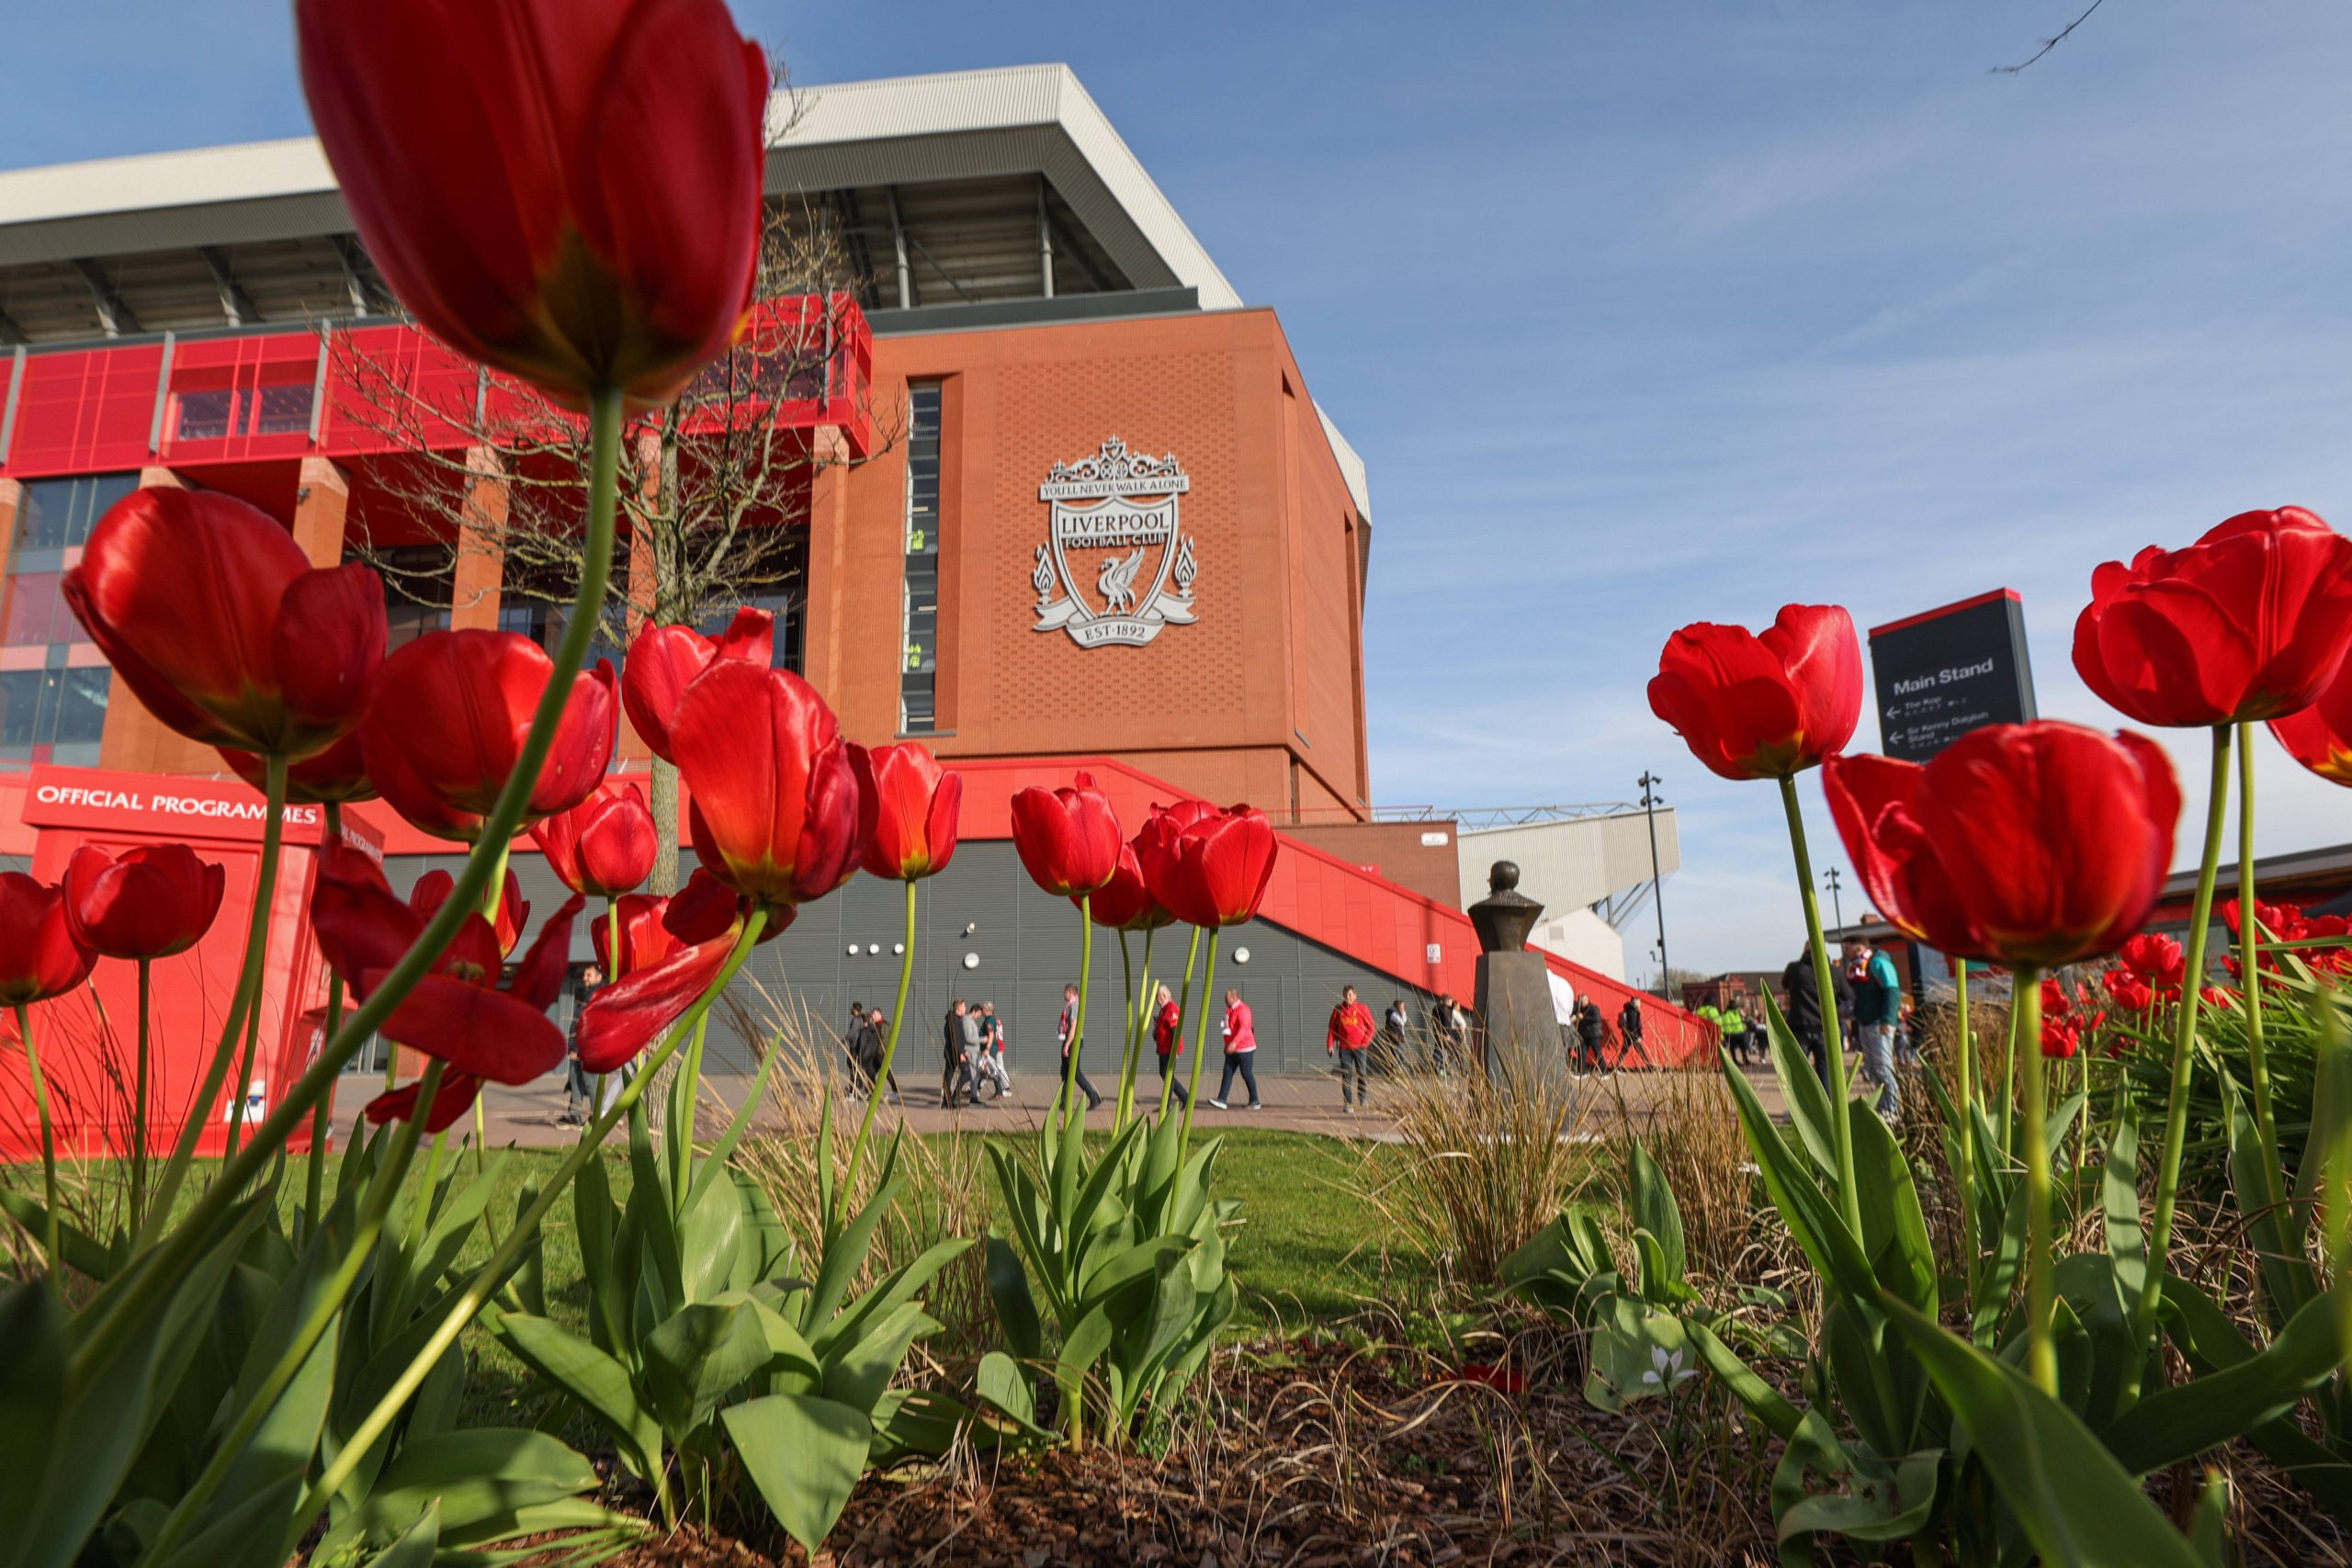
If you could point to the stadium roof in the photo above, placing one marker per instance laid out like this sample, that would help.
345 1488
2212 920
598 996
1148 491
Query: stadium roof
974 177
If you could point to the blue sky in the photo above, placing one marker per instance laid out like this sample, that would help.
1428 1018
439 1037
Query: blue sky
1649 314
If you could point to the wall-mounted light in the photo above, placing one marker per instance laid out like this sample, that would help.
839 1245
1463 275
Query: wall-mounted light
971 961
1241 955
971 926
898 950
874 948
853 950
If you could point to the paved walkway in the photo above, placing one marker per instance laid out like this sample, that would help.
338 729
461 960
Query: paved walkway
528 1117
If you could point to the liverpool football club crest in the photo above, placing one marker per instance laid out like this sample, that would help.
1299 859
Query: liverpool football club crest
1116 565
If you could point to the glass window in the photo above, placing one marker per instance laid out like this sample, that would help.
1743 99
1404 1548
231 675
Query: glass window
917 679
37 615
81 714
204 416
55 513
419 582
19 705
284 411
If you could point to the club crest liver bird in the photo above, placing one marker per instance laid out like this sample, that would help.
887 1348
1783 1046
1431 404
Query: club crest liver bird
1116 583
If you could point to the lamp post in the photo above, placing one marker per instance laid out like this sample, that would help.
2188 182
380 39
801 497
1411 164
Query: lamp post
1651 801
1837 912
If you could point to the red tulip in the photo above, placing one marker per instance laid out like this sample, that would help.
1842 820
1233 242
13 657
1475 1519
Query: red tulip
2128 991
664 662
2250 622
1211 869
668 972
2036 844
2320 736
604 846
2155 958
40 955
456 1012
212 614
156 900
446 723
337 775
569 190
433 890
1768 705
779 813
1067 839
645 939
916 805
1124 903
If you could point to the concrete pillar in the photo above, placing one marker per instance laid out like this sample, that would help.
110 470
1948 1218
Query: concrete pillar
12 502
820 639
159 479
322 499
481 567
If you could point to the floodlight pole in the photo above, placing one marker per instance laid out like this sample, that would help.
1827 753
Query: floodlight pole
1837 911
1651 801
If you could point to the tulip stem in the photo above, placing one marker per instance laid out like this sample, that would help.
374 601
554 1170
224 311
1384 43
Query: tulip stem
2184 1052
890 1055
491 901
1077 1028
1841 1129
322 1115
110 1323
1183 1001
48 1144
2041 1355
1199 1047
1970 1244
1131 1062
2257 1057
246 1000
355 1256
488 1278
138 1109
1127 1043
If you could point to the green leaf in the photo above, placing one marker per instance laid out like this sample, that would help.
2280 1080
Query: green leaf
1878 1505
2127 1244
1081 1351
2181 1422
1763 1401
707 1239
599 1384
482 1477
2287 1282
1016 1311
859 1369
714 1166
415 1548
2076 1504
256 1531
81 1252
888 1296
1656 1211
843 1253
1800 1090
1894 1231
804 1455
1834 1251
697 1357
1002 1386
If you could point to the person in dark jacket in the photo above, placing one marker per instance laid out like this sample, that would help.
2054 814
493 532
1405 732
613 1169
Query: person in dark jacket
1589 1030
1804 1008
1629 1029
958 1042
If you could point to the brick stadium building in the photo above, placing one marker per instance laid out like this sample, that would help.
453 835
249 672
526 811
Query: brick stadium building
1069 502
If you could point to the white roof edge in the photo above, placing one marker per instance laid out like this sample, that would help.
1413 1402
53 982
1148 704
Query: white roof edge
1351 467
242 172
945 104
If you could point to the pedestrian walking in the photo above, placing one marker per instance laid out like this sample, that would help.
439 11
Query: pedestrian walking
861 1078
1168 1039
1347 1037
1735 1032
579 1089
1805 1010
870 1050
1393 1026
1590 1033
991 1060
1240 1050
1629 1032
1449 1034
1878 1007
1068 1027
959 1041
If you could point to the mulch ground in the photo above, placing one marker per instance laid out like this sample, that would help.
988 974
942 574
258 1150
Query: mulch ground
1315 1456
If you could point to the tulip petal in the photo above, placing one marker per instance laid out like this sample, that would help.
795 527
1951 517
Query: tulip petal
477 1030
363 927
454 1097
626 1016
328 644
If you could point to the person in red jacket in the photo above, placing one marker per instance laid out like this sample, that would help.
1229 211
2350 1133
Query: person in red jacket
1168 1035
1348 1038
1240 1051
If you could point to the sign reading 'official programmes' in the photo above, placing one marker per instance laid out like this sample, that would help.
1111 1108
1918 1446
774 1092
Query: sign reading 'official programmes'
1944 672
1114 516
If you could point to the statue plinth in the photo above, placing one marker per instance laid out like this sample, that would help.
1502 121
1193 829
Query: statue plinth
1519 1032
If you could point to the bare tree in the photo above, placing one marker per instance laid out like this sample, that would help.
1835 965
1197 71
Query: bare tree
714 489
